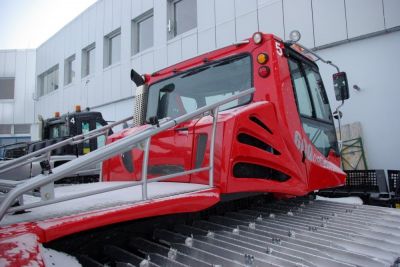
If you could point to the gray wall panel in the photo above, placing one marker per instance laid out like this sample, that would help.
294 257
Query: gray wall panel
160 24
108 16
136 8
10 65
246 25
20 82
147 62
364 16
392 13
224 11
115 86
146 5
174 48
329 21
206 14
270 17
116 13
189 46
2 63
30 79
206 40
225 33
160 55
243 7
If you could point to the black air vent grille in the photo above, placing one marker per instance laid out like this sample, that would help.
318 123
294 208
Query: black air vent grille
250 170
253 141
260 123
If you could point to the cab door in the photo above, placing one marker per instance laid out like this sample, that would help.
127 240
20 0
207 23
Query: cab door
318 136
171 150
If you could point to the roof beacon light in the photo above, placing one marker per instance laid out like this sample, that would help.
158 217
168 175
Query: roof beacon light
78 108
257 37
294 36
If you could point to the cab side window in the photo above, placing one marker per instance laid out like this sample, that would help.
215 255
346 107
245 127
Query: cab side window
313 105
101 140
300 87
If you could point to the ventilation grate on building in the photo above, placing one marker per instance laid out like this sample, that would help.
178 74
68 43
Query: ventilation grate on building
22 129
5 128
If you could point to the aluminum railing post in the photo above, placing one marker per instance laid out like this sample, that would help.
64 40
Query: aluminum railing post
212 145
145 166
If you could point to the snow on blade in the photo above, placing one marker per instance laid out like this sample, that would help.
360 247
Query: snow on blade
20 248
114 198
55 258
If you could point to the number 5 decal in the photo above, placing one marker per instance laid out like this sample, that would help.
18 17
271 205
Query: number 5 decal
278 48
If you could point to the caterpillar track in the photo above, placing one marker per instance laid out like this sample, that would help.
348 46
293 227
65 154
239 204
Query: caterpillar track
297 232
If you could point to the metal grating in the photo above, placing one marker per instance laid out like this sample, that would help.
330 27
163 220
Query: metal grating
5 128
22 128
295 232
394 180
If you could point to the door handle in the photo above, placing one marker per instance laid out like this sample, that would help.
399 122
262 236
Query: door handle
183 129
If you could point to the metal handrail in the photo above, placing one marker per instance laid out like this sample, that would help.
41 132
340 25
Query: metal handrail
110 150
28 158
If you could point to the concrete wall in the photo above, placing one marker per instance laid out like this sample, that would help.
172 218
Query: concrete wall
21 65
323 24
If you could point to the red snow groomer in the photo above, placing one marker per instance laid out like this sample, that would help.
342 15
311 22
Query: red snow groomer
215 141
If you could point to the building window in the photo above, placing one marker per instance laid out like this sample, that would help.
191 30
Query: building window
69 70
88 60
7 86
48 81
142 32
22 128
112 48
5 128
182 16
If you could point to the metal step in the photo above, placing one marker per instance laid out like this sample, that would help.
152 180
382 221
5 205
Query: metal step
295 232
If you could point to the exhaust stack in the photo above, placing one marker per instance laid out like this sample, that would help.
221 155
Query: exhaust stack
139 112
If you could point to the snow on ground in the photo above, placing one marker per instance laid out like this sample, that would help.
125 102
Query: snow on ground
346 200
100 201
60 259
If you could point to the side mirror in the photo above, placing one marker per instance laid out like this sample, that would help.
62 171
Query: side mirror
341 86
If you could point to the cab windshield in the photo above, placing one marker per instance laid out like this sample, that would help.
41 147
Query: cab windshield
58 130
199 87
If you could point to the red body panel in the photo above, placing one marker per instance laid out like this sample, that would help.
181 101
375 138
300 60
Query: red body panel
273 104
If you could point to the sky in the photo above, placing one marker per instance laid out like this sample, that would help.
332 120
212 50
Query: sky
29 23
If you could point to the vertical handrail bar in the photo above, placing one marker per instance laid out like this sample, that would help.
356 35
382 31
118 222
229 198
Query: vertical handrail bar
212 146
145 167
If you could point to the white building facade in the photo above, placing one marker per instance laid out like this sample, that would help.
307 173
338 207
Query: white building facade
17 88
88 62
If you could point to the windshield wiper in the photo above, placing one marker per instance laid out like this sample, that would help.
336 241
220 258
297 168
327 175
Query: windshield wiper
195 71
